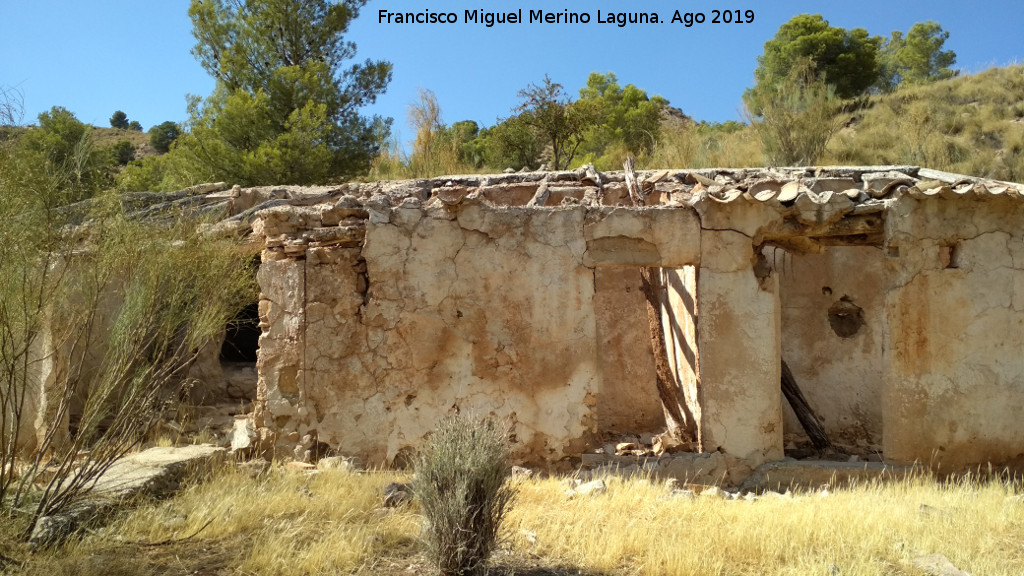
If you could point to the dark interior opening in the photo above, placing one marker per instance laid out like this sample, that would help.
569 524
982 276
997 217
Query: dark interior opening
243 334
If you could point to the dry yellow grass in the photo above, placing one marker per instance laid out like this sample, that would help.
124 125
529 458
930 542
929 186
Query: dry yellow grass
874 529
331 523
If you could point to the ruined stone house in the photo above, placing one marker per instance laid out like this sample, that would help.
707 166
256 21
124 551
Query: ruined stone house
895 295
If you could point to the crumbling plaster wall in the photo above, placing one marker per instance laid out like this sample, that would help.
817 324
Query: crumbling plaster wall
839 368
954 388
469 308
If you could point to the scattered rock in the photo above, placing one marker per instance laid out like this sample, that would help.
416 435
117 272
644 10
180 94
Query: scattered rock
254 468
338 463
714 492
397 493
243 438
937 565
152 472
52 530
680 494
300 466
625 447
591 488
521 472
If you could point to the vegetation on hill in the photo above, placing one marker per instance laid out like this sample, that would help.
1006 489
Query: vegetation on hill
971 124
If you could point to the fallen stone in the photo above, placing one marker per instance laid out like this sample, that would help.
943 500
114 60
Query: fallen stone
521 472
397 493
300 466
714 492
937 565
244 438
253 468
680 494
154 472
592 488
338 463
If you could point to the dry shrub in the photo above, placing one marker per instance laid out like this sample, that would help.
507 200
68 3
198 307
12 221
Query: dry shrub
460 484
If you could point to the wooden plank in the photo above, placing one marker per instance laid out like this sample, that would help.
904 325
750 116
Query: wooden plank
808 419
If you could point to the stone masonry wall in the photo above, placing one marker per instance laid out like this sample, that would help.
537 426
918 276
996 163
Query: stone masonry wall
479 309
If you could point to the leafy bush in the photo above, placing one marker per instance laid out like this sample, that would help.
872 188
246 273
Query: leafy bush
100 314
460 483
799 116
123 152
62 144
163 135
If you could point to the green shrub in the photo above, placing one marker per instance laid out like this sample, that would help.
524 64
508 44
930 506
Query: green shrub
123 152
798 117
460 483
163 135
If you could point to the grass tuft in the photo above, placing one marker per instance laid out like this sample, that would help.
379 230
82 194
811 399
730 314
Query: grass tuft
462 490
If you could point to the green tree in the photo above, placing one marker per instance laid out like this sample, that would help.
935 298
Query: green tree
558 121
511 143
917 58
464 134
628 122
61 144
59 136
119 120
163 135
135 126
286 106
846 59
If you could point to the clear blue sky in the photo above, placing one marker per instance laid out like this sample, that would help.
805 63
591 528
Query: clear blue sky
94 57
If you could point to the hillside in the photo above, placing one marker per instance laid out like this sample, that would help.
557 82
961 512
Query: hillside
972 124
968 125
107 137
